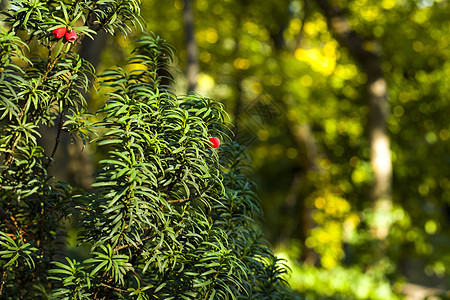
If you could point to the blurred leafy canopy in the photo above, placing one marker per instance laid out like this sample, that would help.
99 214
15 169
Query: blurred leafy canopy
167 217
283 56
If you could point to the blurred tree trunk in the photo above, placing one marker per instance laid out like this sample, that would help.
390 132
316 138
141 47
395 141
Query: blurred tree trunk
295 205
191 46
376 93
240 135
3 6
92 49
297 212
74 164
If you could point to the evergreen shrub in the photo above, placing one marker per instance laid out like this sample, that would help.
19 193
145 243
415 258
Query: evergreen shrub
171 215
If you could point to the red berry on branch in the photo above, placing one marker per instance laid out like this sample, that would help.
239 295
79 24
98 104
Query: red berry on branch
59 32
71 36
215 142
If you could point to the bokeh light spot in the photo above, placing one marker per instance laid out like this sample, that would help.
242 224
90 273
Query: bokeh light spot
263 135
291 153
211 35
306 80
444 134
241 63
431 227
418 46
398 111
354 161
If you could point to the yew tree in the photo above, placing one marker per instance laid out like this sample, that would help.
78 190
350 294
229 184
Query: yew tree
172 213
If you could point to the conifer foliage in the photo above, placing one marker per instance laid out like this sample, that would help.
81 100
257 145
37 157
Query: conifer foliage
171 214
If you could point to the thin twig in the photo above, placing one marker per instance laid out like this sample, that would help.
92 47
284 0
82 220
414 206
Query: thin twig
60 125
128 245
178 201
113 288
139 277
3 281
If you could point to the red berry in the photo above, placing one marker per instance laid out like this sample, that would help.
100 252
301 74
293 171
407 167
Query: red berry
71 36
215 142
59 32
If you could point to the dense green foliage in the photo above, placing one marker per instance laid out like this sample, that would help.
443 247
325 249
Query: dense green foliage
168 217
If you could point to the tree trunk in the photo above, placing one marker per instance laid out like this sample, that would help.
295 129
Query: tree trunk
3 5
73 164
191 46
92 49
376 89
295 206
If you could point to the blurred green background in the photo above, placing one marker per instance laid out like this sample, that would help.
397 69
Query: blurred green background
296 78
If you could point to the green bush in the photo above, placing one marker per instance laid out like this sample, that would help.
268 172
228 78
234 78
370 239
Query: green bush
168 217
